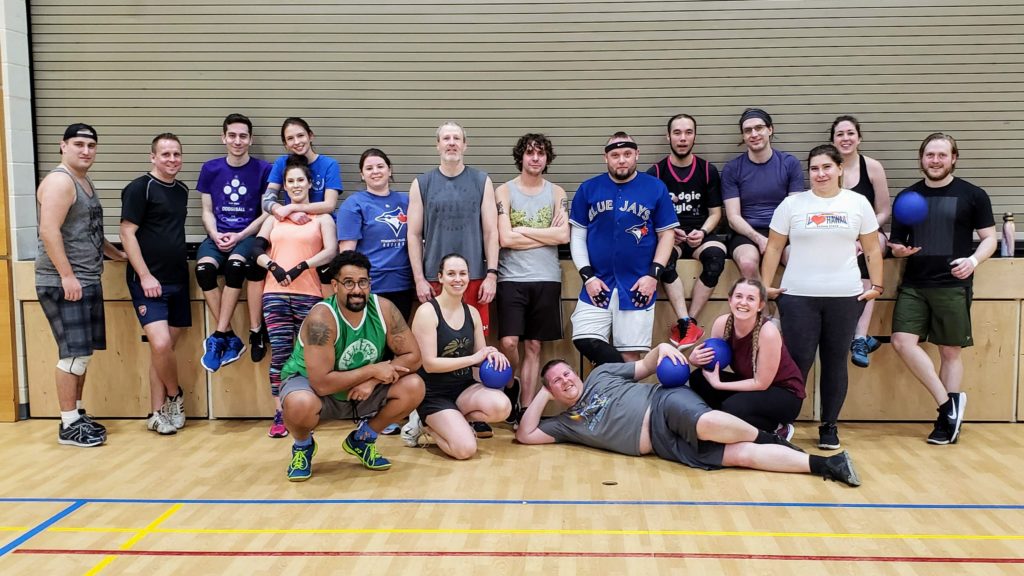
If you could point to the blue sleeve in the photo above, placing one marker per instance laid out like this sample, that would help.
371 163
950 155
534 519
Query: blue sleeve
578 209
332 178
203 183
730 182
277 171
349 219
796 175
664 213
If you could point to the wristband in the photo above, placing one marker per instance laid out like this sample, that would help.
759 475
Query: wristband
492 271
586 273
655 270
974 261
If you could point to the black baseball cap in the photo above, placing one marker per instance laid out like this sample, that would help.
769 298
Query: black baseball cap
79 130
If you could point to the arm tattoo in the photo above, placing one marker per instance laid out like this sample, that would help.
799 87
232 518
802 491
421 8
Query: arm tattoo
397 322
398 343
501 208
319 333
565 205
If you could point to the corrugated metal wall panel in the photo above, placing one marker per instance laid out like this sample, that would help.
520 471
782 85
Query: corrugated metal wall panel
385 74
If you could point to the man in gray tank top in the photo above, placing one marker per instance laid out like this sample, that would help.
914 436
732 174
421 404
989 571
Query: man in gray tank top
451 210
533 220
69 266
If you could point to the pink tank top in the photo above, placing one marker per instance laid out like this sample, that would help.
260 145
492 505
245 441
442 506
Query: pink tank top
291 243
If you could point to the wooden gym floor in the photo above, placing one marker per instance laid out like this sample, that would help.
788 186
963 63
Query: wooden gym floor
214 500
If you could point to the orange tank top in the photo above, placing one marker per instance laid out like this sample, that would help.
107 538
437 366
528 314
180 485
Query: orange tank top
291 243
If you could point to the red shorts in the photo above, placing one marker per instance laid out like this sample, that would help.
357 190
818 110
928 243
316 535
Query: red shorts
470 296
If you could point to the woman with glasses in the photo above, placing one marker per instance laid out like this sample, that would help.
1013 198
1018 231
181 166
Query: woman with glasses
291 253
372 221
821 296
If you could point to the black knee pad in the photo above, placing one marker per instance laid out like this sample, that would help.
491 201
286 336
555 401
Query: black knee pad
254 272
597 351
670 275
206 276
712 260
234 273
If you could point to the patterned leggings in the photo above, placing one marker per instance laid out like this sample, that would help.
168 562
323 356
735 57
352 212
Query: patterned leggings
283 314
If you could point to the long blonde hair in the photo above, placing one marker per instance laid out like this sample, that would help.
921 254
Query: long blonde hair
763 293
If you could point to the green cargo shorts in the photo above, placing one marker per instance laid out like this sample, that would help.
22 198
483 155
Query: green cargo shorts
941 316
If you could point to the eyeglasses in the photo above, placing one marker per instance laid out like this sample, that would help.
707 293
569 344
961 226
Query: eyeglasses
363 283
754 129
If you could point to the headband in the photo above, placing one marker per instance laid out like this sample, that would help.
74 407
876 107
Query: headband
755 113
620 144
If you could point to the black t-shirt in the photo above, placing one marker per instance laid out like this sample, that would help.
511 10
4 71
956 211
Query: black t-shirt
955 211
693 189
159 209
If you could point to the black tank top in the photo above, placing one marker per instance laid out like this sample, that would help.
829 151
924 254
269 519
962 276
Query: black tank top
864 186
452 343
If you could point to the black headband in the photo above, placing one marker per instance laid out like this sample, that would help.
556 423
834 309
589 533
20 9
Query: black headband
620 144
755 113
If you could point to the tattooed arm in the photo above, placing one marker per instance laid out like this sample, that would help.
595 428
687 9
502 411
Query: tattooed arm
318 334
400 339
558 232
506 236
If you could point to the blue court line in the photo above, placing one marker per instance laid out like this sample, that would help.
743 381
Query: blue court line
683 503
76 504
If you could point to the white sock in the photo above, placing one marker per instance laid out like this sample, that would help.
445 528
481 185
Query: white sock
70 417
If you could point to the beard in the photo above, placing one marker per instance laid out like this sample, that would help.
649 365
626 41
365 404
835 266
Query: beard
683 156
622 173
355 303
941 176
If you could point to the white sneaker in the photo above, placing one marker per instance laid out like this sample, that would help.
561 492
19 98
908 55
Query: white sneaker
413 435
174 409
159 423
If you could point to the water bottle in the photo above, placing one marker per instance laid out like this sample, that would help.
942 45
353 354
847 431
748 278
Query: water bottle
1009 236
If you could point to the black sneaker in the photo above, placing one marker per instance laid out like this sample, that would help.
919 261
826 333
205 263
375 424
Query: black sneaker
258 341
482 429
839 467
781 441
88 419
512 392
828 436
79 433
940 433
955 417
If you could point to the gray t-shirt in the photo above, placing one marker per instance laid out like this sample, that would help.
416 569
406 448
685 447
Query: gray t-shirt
82 234
610 413
532 264
451 219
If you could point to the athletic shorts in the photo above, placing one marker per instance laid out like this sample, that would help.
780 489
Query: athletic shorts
333 409
631 330
470 297
735 240
172 305
674 415
441 397
941 316
208 249
78 327
530 310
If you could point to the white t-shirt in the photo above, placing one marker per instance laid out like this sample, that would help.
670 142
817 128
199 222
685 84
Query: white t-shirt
822 235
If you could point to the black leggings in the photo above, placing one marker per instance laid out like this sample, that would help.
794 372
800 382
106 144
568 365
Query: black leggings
762 409
825 325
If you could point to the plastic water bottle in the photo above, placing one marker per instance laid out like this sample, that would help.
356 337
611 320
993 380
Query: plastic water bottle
1009 236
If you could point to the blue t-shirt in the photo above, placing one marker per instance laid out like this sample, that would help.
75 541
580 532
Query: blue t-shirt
235 191
622 222
378 224
761 187
326 174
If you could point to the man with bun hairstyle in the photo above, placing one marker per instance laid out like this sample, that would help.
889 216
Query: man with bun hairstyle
621 234
69 266
753 185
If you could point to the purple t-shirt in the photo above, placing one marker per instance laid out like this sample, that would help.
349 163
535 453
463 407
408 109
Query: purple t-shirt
378 225
761 187
236 192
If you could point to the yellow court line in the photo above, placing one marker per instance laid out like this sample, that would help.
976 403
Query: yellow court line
139 535
544 531
14 528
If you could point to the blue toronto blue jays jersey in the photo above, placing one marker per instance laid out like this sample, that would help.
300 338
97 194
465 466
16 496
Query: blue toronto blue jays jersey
622 223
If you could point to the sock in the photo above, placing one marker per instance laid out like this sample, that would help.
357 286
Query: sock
859 336
947 405
304 443
766 438
365 434
229 334
220 335
255 330
817 465
79 405
70 417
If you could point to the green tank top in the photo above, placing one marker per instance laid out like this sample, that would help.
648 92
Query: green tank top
355 346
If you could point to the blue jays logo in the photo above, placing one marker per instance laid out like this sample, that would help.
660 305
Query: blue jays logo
639 231
396 219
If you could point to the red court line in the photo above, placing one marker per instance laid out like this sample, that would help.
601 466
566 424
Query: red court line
522 554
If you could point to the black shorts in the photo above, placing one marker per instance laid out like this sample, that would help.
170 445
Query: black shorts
172 305
440 397
530 310
735 240
686 251
78 327
674 415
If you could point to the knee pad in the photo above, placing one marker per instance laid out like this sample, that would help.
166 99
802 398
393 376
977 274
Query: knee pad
254 272
234 273
597 351
75 365
712 260
670 275
206 276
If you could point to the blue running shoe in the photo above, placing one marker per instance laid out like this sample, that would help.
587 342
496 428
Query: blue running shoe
301 466
233 352
213 353
859 353
873 343
366 452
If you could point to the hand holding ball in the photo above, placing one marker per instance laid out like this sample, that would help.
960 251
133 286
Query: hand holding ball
672 375
723 353
910 208
491 377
